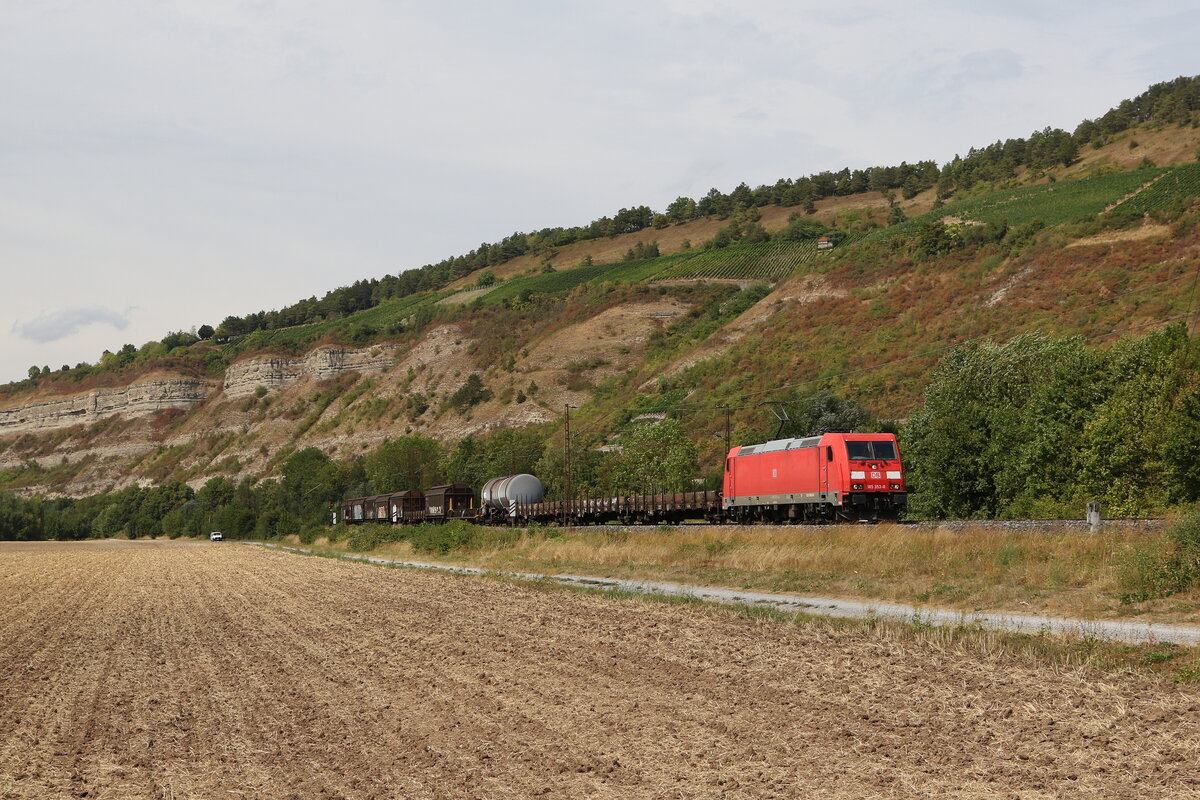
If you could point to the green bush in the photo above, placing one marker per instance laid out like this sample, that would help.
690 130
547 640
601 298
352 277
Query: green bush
1147 572
1185 536
1150 571
431 537
369 536
309 533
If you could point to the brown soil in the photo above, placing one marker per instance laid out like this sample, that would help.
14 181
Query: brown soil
162 670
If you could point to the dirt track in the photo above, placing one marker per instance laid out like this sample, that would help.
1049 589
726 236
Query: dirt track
133 670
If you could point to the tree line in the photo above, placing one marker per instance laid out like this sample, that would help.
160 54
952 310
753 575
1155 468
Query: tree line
1039 426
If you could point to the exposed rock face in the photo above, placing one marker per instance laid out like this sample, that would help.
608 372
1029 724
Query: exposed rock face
138 399
149 396
244 377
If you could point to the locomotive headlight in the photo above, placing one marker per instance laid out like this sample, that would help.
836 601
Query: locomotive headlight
894 486
856 486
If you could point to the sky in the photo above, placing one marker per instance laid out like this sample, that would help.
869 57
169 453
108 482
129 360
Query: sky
166 164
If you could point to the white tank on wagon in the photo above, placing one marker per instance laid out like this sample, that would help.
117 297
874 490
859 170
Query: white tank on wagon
504 493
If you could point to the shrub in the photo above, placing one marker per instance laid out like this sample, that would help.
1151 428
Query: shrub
471 393
309 533
431 537
369 536
1148 572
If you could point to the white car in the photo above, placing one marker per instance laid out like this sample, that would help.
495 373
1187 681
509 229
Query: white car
215 536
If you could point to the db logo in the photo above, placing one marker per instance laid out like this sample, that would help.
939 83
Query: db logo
876 475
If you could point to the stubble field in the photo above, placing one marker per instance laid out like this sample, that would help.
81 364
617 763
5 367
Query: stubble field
173 670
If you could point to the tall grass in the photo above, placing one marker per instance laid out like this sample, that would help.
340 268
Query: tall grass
1164 567
1062 572
429 537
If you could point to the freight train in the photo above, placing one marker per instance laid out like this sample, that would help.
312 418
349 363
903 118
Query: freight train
834 477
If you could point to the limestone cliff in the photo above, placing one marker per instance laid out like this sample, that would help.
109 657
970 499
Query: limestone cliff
273 372
136 400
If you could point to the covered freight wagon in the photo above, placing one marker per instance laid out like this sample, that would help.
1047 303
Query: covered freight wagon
455 500
407 506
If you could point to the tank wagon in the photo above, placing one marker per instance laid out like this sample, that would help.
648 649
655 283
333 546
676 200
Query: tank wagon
827 478
503 495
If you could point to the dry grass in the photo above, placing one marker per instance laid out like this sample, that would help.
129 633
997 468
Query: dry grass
1132 235
1057 572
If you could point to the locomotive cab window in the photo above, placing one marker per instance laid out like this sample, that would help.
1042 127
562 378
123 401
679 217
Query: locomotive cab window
871 451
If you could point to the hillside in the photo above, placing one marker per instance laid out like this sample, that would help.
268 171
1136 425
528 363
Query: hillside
643 322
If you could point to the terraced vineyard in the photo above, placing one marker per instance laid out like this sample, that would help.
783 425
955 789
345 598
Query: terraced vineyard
1178 186
1055 203
567 279
1052 203
770 261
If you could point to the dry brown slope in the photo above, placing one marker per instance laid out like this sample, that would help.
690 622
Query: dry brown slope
150 670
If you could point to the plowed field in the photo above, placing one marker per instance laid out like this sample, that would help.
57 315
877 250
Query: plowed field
197 670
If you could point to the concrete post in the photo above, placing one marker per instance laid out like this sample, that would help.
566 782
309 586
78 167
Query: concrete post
1093 517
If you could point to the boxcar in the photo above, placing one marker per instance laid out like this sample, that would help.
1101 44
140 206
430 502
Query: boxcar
455 500
407 506
352 510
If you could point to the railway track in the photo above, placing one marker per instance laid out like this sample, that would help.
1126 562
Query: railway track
1133 524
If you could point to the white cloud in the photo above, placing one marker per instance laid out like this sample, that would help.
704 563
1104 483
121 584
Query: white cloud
50 326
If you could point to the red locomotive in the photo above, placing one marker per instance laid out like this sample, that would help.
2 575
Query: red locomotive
848 476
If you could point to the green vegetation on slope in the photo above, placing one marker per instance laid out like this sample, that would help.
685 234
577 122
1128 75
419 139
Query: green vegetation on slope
390 318
562 281
1049 203
1172 192
766 261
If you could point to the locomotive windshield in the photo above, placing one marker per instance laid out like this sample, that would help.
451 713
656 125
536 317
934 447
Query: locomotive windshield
871 451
